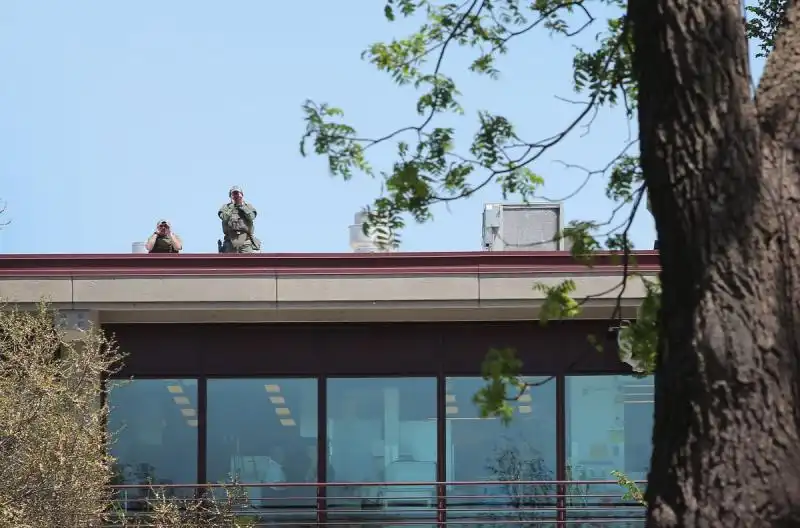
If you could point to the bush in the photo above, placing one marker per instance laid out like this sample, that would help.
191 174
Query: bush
164 511
55 469
54 466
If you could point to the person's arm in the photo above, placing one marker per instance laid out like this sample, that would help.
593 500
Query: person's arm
151 242
224 213
248 211
176 242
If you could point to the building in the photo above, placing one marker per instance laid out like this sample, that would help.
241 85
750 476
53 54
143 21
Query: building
359 370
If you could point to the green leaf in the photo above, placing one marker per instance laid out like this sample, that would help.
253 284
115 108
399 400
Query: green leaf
558 302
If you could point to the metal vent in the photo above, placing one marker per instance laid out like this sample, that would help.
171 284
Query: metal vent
530 229
524 227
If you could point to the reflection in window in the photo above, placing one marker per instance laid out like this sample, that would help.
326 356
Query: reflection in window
153 423
382 430
609 426
264 432
485 450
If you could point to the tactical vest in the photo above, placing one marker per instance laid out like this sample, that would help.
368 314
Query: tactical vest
236 221
163 245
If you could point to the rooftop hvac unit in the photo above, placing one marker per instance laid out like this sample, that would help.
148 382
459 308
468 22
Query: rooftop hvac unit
523 227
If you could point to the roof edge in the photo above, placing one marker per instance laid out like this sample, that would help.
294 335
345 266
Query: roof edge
317 263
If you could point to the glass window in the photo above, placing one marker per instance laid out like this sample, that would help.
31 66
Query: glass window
609 426
153 423
481 451
263 432
382 430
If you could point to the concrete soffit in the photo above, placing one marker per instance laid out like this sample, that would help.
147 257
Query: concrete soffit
317 298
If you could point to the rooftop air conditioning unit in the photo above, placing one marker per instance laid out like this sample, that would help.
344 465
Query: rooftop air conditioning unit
523 227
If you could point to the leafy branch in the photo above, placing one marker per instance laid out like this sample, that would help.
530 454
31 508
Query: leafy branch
428 171
428 168
632 490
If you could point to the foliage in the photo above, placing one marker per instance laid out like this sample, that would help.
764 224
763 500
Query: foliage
54 468
164 510
429 170
526 480
500 371
768 16
641 335
633 492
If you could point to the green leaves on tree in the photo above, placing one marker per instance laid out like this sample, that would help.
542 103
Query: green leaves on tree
501 372
428 170
764 21
641 335
632 491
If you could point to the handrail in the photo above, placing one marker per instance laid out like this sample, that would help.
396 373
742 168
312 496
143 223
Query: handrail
467 503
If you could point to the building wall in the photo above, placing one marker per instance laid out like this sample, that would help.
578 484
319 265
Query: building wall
360 348
373 403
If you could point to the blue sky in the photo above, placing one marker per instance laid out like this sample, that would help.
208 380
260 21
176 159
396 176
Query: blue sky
116 114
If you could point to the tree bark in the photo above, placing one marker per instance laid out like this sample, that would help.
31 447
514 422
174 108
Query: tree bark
723 174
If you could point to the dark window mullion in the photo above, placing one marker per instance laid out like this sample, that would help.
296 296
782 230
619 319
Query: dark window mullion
202 429
322 448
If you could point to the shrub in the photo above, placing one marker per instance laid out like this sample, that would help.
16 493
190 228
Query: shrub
54 466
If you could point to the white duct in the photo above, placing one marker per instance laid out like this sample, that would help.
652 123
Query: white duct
360 242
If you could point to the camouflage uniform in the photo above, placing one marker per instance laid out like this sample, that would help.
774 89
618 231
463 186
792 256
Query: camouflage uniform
163 244
238 227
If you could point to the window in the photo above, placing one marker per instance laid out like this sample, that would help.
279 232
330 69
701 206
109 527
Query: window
609 427
264 432
382 430
486 450
153 423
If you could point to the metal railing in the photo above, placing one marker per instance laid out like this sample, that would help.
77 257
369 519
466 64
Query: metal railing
462 504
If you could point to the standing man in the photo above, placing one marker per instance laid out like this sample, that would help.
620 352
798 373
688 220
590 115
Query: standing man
163 240
238 219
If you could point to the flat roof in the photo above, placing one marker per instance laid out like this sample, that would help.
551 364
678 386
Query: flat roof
130 264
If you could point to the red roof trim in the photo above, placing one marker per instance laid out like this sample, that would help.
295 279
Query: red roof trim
313 263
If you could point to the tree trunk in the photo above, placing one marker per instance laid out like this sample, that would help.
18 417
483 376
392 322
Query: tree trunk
723 173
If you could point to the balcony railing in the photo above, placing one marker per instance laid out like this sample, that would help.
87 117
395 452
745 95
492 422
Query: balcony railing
461 504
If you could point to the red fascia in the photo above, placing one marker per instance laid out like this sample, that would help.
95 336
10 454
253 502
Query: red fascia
401 264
